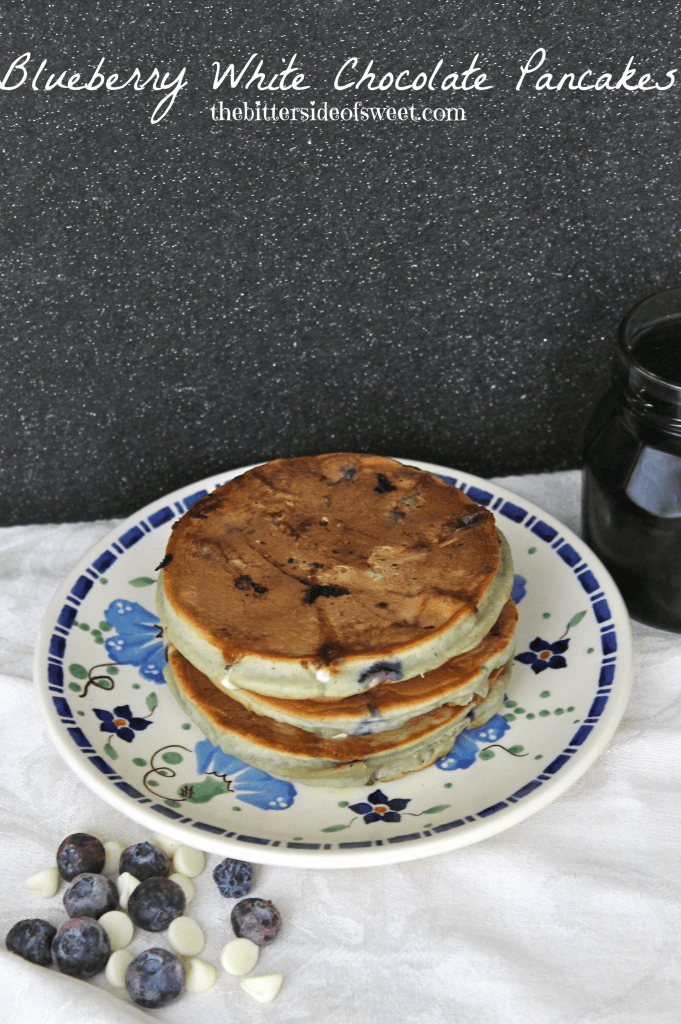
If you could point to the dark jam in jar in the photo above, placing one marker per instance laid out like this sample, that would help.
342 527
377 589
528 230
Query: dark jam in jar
632 468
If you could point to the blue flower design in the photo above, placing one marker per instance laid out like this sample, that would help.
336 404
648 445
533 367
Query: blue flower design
139 639
519 589
251 785
121 722
543 655
465 750
492 731
379 807
462 755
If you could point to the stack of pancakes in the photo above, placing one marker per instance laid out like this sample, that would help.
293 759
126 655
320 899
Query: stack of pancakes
337 620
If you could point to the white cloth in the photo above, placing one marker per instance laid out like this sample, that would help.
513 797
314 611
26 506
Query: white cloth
572 917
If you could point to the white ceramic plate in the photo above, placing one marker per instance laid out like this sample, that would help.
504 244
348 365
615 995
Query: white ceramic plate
98 669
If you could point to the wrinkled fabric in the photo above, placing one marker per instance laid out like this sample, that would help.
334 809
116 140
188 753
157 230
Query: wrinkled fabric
571 917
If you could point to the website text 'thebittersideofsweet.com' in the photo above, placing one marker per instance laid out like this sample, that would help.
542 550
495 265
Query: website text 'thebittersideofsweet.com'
271 112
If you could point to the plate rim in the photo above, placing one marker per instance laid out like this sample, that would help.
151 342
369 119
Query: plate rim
481 829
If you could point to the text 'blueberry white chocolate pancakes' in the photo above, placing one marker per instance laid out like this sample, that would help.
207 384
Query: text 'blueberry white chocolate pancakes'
337 620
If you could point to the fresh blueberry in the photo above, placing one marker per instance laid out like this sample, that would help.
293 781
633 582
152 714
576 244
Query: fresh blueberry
155 978
78 853
32 939
155 903
144 860
257 920
81 948
90 895
234 878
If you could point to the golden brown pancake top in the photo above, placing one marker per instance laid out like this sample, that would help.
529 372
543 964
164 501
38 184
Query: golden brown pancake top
330 555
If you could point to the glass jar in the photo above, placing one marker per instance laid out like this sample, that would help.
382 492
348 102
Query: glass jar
631 511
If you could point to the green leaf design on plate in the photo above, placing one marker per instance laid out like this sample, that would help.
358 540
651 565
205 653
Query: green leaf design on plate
152 701
576 619
78 671
141 581
202 792
171 757
436 810
110 752
335 828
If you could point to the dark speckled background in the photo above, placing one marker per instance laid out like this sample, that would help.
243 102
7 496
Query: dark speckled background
189 296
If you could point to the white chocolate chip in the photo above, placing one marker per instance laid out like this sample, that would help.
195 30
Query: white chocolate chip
185 936
189 862
185 884
322 675
226 683
126 883
113 850
239 956
169 846
116 966
118 927
264 988
200 976
44 883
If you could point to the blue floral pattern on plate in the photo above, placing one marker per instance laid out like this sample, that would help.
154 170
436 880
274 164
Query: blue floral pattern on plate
464 753
121 722
251 785
138 641
543 655
380 808
519 589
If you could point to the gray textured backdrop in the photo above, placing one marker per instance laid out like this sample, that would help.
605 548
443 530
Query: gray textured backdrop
188 296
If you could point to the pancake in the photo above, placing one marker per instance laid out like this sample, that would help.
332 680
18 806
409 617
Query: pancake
391 705
494 701
298 756
322 577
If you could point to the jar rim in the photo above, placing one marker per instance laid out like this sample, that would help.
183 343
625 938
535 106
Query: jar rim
660 308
